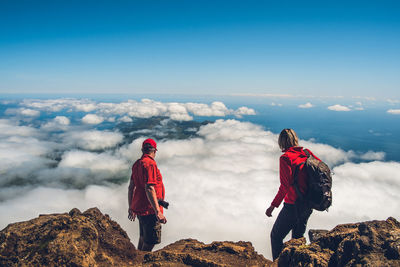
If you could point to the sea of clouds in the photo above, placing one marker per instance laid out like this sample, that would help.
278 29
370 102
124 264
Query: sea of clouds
218 183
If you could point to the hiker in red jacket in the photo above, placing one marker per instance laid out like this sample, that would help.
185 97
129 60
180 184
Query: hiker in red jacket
295 213
146 188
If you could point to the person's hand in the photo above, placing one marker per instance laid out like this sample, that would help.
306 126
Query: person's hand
268 212
131 215
161 218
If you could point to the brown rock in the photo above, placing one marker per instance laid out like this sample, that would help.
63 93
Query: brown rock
190 252
93 239
73 239
373 243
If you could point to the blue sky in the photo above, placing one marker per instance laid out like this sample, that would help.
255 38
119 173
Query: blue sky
321 48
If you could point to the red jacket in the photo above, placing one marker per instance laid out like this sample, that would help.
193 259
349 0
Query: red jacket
287 165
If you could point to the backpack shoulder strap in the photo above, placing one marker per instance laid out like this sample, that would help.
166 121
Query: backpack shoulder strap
295 175
295 181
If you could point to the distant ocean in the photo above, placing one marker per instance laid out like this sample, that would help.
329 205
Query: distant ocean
360 131
370 129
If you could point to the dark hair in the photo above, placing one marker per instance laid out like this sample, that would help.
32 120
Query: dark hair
287 139
147 148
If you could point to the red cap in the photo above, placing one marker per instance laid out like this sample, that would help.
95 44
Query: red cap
150 142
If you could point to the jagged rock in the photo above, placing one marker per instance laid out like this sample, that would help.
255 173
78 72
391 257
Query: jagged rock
72 239
93 239
314 235
190 252
373 243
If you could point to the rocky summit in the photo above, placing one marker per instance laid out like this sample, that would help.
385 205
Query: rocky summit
190 252
372 243
68 239
93 239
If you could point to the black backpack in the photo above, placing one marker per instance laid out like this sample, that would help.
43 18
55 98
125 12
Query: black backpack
319 183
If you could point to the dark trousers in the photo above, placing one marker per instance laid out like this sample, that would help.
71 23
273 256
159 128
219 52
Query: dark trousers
293 217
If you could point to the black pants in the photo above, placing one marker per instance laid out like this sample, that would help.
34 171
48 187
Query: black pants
150 229
291 218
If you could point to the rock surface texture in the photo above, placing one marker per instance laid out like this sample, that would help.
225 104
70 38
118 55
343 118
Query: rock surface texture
190 252
373 243
93 239
69 239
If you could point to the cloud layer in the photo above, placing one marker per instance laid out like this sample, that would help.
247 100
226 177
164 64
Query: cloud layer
145 108
93 139
23 112
218 183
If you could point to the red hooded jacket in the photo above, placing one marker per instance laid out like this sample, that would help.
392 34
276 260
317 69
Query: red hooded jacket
287 165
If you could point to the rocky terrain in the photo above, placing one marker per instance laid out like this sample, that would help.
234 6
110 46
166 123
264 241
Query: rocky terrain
73 239
93 239
373 243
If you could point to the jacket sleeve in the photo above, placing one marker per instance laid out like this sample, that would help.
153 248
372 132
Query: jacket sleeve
285 173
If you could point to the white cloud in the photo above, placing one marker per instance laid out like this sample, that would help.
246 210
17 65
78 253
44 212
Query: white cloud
215 109
86 107
306 105
180 117
103 162
29 112
92 119
330 155
372 155
244 111
394 111
9 128
125 119
56 105
58 123
93 139
22 152
339 108
177 111
23 112
62 120
17 152
145 108
230 173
